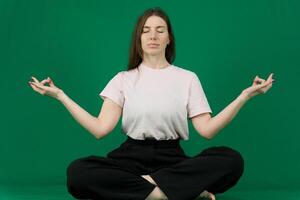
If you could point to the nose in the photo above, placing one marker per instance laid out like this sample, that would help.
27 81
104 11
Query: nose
153 35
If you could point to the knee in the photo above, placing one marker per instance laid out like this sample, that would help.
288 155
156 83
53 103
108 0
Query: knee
235 160
76 182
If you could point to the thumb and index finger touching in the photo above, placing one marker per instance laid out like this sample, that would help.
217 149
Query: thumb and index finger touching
257 80
49 81
260 83
39 84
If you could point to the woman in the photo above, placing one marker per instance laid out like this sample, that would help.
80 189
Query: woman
155 98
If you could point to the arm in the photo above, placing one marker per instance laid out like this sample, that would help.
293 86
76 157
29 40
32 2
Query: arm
214 125
208 127
99 127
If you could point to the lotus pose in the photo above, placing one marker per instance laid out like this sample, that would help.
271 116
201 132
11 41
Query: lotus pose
156 99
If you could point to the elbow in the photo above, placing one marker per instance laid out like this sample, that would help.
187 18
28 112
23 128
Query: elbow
96 132
101 132
207 135
99 135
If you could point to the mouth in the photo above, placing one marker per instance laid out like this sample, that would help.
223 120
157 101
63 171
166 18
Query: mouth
153 45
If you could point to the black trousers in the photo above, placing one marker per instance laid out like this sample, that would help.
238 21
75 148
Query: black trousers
118 175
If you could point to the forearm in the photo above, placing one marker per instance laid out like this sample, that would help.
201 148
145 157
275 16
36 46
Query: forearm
215 124
86 120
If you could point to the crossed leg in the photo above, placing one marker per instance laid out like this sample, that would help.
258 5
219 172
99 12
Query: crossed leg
157 194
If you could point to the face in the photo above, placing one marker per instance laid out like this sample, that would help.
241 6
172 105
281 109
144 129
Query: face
155 36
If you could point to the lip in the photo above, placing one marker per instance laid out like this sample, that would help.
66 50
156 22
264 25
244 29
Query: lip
153 45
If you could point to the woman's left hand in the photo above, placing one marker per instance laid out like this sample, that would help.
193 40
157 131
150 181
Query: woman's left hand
259 86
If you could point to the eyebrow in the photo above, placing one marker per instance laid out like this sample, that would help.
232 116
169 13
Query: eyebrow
156 27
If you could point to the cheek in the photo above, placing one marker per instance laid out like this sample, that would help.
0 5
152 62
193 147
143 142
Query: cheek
165 38
143 40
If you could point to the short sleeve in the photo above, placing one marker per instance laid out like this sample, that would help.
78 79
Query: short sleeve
197 101
114 90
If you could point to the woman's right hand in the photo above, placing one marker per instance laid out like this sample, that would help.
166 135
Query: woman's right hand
41 88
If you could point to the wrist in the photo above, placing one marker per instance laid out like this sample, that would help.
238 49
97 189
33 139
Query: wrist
243 97
60 95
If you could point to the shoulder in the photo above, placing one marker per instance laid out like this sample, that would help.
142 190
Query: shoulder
184 72
127 74
122 73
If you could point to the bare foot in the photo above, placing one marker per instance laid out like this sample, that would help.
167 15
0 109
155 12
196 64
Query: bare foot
156 194
148 178
206 195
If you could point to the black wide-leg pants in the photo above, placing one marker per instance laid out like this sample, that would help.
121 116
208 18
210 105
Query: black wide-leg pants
118 175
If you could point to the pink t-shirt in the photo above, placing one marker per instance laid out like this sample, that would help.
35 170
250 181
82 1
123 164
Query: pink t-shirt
157 103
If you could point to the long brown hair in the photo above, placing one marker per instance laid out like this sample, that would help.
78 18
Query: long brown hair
136 52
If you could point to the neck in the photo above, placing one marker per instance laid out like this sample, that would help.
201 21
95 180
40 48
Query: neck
155 62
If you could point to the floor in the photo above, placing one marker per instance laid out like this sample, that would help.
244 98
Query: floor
59 192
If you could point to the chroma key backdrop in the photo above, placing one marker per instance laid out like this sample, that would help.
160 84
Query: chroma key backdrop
81 45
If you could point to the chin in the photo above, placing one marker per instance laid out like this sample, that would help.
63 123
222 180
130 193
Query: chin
153 52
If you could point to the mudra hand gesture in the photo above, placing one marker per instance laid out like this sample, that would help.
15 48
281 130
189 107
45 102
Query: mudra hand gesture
259 86
41 88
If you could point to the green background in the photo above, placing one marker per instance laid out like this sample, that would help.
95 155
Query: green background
81 45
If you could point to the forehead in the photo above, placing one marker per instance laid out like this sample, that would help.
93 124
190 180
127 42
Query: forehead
154 21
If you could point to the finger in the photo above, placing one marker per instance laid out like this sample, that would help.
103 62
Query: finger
212 196
50 82
255 81
258 80
35 80
270 76
44 81
268 87
258 87
39 86
255 78
35 88
265 87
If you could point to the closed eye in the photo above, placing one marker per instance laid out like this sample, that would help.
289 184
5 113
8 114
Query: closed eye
157 31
